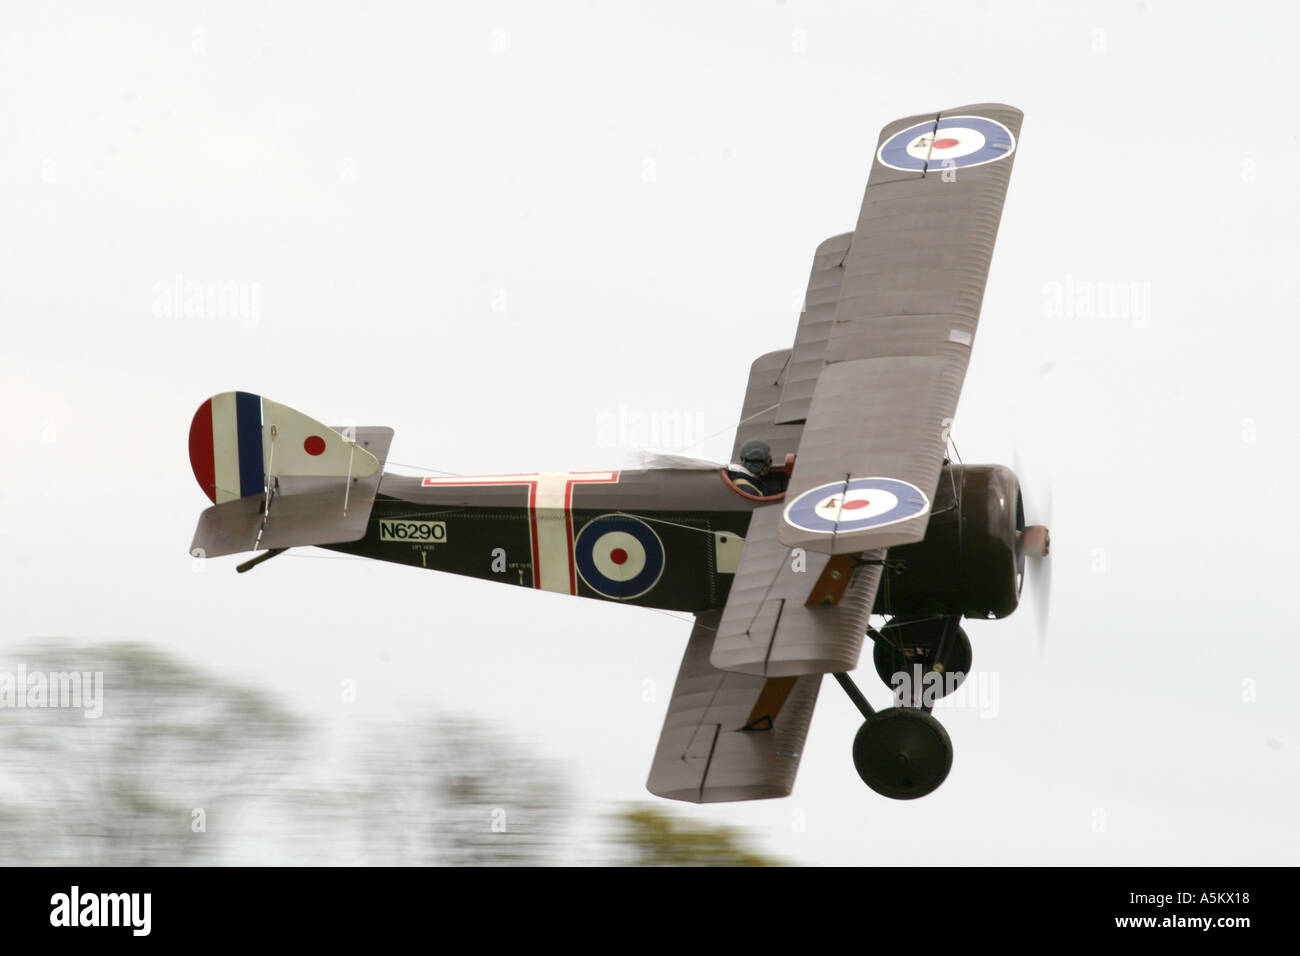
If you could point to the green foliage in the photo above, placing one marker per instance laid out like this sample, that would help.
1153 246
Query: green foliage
654 838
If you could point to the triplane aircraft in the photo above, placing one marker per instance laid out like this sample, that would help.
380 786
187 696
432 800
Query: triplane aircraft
843 503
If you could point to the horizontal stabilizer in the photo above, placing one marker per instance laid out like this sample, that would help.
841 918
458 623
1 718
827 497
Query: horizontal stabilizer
304 510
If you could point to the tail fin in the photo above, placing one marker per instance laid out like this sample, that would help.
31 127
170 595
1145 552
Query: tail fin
238 440
279 478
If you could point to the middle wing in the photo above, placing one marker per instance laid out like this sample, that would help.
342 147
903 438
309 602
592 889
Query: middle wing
781 383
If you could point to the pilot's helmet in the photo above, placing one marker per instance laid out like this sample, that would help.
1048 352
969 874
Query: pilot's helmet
756 456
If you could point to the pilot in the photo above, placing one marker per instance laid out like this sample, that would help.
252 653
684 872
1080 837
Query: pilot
750 473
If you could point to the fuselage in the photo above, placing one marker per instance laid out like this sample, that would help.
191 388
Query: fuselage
664 538
671 538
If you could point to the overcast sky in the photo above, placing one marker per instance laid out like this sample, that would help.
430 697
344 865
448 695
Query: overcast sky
501 227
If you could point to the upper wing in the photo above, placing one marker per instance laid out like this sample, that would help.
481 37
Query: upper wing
873 443
730 736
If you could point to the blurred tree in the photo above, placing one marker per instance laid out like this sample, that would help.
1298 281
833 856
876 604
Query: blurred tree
171 769
159 777
654 838
436 791
179 760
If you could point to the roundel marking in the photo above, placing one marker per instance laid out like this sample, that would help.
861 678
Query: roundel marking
862 503
618 556
959 141
313 445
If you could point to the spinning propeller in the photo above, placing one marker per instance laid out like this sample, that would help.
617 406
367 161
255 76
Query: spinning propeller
1034 546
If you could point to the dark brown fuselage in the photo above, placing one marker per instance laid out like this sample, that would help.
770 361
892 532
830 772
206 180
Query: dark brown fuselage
675 536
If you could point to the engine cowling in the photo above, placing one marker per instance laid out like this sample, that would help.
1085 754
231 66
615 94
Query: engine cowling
970 560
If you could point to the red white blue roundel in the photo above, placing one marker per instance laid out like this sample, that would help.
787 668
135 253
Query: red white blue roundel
959 141
619 556
862 503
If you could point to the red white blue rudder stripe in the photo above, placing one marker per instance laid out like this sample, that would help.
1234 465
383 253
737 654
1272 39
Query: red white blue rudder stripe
226 446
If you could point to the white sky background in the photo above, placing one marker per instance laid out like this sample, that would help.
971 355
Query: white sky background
488 229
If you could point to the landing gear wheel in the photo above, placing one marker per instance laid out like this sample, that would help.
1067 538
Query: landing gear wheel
902 753
906 646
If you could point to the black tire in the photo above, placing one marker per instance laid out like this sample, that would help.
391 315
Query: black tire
902 753
907 646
